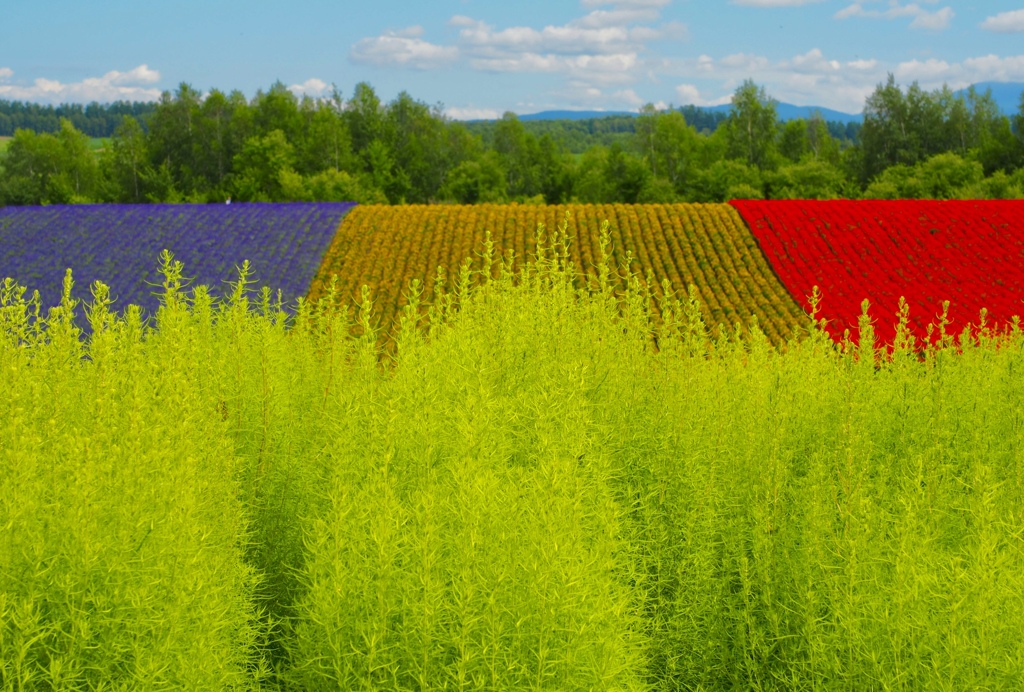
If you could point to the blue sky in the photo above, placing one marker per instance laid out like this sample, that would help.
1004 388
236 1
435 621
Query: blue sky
480 59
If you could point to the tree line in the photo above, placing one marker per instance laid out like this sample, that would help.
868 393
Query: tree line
913 143
94 119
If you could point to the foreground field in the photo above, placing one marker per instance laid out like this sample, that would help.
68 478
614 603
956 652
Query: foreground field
527 499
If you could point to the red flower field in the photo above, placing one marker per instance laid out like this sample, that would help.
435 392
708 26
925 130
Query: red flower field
970 253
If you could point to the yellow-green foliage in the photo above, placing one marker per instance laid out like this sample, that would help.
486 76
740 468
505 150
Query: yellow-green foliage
121 525
526 496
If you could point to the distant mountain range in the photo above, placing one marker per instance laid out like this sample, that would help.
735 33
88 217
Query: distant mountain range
1006 94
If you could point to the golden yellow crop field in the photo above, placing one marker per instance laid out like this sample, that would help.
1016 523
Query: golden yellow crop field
706 245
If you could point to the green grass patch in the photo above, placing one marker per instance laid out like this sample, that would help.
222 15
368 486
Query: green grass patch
526 495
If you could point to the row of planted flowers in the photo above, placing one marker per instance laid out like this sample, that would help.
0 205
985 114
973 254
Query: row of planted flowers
386 247
120 245
970 253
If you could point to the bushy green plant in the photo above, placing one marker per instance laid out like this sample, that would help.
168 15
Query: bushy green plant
538 489
122 541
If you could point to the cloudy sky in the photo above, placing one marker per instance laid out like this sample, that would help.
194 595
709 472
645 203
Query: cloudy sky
480 59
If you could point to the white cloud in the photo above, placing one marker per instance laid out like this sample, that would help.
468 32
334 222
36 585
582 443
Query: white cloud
814 62
929 71
743 62
409 32
605 47
932 20
619 68
921 18
627 3
599 19
575 38
579 94
932 74
310 87
628 96
140 75
472 113
403 49
862 64
810 78
1005 22
773 3
689 95
113 86
993 68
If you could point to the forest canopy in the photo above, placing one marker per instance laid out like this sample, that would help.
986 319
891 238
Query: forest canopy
191 147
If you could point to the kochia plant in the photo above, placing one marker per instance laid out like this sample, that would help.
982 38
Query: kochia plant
537 489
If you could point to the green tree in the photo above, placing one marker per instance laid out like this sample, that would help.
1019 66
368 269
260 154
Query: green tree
592 185
29 164
325 143
78 177
126 163
1018 129
260 165
724 180
49 169
647 135
277 109
384 173
328 186
418 139
944 176
669 146
997 186
477 181
820 142
794 143
173 136
808 179
555 170
904 128
752 126
221 126
519 155
808 140
626 176
657 191
364 117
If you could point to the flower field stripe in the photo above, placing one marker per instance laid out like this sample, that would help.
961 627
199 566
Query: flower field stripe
970 253
121 244
708 246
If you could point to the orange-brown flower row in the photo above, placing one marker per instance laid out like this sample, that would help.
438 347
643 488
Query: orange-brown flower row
709 246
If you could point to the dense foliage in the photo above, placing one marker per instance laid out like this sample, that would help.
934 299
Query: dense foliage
93 119
276 147
579 135
909 257
526 498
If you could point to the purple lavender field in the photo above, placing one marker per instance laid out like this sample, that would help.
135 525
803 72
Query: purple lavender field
120 245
